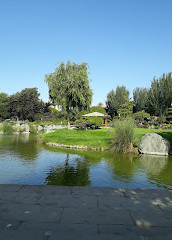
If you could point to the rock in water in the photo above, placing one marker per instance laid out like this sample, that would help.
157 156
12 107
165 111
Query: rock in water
153 143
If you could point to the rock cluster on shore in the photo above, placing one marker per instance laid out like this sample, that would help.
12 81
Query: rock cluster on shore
75 146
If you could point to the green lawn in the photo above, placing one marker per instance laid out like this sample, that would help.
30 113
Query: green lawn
96 138
90 138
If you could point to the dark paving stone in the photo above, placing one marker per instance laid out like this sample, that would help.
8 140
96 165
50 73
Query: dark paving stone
10 188
127 203
153 232
69 200
47 189
134 231
146 193
30 213
68 213
117 230
9 225
147 218
96 216
74 231
98 191
22 197
22 235
119 237
165 202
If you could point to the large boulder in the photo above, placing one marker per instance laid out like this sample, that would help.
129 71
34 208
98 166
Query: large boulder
153 143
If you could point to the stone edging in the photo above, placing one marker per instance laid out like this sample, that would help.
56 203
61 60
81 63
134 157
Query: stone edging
75 146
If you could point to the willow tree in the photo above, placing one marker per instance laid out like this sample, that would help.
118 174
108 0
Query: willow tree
69 87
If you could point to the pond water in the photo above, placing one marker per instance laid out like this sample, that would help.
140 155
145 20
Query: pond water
24 162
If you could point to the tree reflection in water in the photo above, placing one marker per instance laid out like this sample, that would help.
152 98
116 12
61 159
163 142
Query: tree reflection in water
123 165
70 174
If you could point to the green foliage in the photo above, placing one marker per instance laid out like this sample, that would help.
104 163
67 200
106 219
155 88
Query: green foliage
99 109
4 105
26 105
169 117
69 87
126 109
141 116
140 97
90 122
94 122
32 127
116 99
124 136
7 128
160 95
81 124
111 104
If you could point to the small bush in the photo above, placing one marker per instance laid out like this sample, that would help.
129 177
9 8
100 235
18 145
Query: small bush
33 128
124 136
91 122
7 128
81 124
94 122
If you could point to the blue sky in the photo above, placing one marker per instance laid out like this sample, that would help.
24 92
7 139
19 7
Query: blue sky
125 42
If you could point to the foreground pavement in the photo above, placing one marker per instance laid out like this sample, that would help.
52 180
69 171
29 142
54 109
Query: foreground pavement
70 213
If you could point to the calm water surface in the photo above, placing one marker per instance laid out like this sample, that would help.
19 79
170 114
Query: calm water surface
24 162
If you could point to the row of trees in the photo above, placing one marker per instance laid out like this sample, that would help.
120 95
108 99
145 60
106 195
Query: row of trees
69 88
24 105
154 100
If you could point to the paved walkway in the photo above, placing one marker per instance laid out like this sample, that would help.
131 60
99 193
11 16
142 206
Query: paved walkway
71 213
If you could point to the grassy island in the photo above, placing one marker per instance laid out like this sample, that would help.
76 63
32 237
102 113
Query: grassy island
99 138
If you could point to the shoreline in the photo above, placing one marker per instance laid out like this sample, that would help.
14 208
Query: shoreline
77 147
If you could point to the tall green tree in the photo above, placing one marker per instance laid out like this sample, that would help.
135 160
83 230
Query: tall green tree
69 87
26 105
126 109
115 99
140 98
111 104
160 94
4 105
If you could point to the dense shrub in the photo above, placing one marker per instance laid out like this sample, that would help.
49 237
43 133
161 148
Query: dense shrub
7 128
141 116
33 128
81 124
94 122
91 122
124 136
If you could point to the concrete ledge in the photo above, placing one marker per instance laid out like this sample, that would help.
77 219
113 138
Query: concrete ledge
62 212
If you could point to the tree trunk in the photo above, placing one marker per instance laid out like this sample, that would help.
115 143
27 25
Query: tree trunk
68 118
